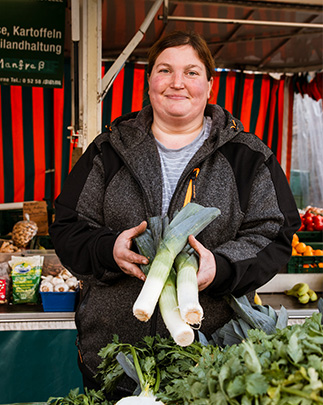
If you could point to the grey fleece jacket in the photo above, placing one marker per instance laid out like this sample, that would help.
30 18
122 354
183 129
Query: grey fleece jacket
117 183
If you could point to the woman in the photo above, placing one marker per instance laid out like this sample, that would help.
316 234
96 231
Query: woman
142 168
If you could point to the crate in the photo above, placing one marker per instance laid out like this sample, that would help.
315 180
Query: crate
41 242
59 301
305 264
307 236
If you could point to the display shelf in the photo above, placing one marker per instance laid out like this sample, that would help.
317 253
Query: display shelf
272 294
295 310
33 317
285 281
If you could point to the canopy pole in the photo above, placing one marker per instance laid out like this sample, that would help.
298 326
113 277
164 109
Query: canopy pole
244 22
91 69
112 73
75 9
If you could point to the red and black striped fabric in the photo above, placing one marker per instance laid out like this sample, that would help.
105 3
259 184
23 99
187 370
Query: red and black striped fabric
261 102
35 149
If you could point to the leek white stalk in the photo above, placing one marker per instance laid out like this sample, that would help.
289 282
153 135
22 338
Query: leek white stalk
190 220
180 331
146 397
186 265
144 305
140 400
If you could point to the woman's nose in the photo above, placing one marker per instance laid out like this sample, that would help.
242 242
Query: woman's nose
177 81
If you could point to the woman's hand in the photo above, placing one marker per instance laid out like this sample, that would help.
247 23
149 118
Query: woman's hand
125 258
207 267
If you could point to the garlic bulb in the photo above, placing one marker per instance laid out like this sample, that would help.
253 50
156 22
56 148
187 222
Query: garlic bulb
57 280
48 278
72 283
61 287
46 286
65 274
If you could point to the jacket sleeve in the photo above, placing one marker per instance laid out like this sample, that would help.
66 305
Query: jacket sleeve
262 246
82 242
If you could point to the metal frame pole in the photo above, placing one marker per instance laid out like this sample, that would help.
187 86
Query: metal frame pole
243 22
112 73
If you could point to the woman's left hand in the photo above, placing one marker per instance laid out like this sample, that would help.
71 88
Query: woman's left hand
207 267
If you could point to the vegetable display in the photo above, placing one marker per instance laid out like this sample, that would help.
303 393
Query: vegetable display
283 366
255 359
304 249
312 219
64 281
171 276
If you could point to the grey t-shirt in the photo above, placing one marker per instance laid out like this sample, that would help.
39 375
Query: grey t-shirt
174 161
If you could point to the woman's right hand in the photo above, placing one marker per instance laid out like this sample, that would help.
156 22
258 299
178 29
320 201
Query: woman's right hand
127 259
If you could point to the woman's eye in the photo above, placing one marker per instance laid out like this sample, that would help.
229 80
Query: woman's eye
163 71
191 73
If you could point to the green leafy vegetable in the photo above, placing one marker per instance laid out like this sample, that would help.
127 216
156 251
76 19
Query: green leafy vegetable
156 360
90 397
282 368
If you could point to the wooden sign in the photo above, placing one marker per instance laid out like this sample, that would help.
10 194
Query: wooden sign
37 211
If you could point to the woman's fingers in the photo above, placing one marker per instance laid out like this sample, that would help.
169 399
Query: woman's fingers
128 260
207 265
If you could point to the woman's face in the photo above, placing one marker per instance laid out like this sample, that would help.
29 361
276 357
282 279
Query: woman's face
178 85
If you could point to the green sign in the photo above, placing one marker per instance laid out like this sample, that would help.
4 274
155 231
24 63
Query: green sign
32 42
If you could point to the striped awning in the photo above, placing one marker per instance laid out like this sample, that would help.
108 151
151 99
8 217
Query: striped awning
257 35
34 144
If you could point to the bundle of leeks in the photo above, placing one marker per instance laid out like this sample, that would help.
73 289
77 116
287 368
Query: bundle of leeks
171 275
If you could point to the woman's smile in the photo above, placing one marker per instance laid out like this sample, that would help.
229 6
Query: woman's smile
176 97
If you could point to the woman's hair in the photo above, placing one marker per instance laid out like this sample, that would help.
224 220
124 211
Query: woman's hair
179 38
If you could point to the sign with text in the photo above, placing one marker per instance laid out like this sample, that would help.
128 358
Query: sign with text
37 211
32 42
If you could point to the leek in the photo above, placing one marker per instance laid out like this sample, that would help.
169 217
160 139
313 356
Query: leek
186 265
190 220
180 331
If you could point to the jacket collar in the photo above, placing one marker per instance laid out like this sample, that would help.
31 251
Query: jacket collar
136 126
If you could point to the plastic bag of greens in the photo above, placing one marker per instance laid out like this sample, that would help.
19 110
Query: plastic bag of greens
26 277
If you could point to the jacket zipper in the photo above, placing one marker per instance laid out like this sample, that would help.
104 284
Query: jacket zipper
192 174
